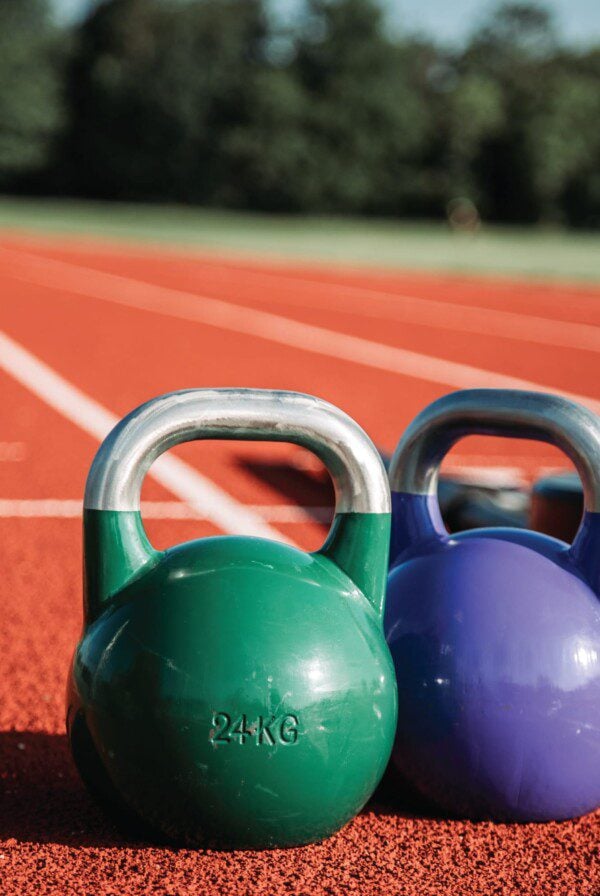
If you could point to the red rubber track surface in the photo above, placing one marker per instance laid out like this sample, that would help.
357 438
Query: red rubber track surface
52 838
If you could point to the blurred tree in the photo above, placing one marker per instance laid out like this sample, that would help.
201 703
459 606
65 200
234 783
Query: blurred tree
476 115
212 101
501 71
184 101
564 142
514 33
31 109
345 126
580 199
367 109
270 156
154 88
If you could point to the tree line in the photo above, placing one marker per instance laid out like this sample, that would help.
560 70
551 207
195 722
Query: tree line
218 102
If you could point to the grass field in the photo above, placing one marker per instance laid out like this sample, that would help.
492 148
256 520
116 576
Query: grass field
526 252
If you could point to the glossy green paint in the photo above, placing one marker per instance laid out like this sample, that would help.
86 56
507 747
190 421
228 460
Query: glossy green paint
232 690
115 550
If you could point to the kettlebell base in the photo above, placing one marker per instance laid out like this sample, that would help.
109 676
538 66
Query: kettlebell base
434 805
136 829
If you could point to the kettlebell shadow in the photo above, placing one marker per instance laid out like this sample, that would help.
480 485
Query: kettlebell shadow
395 797
43 800
298 486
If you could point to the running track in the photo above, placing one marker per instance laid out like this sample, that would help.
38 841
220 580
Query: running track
88 331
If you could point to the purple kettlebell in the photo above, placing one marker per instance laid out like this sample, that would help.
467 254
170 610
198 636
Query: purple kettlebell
495 633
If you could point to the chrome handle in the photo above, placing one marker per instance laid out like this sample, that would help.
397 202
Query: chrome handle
115 478
498 412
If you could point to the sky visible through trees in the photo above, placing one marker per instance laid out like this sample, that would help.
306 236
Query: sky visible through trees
218 103
578 21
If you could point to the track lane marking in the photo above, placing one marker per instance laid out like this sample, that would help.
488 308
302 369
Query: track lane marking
496 477
291 268
116 289
402 307
67 508
176 475
408 309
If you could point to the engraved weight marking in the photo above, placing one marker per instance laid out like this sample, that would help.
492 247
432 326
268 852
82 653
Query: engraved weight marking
265 730
289 729
264 734
221 721
241 730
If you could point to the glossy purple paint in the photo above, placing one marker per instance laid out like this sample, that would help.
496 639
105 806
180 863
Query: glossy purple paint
495 636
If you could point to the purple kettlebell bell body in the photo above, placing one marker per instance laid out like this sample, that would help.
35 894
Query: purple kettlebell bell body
495 633
495 636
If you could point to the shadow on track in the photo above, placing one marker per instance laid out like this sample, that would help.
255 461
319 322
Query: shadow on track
43 800
395 796
307 489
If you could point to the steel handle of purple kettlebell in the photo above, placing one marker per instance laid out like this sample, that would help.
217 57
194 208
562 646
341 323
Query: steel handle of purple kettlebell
518 414
115 478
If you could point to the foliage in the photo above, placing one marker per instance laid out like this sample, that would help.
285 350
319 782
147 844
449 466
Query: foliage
565 145
214 102
31 111
154 90
343 127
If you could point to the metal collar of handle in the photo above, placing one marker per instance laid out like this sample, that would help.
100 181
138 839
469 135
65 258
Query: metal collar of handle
498 412
115 478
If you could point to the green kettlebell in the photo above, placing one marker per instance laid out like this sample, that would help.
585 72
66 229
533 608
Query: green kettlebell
233 691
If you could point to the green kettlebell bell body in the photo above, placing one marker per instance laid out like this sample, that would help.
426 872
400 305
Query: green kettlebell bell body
233 691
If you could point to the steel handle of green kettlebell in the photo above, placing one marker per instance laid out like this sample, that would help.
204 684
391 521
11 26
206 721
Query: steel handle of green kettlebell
116 475
358 540
498 412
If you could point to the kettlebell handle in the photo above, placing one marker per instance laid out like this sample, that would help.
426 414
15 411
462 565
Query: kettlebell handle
119 468
359 536
518 414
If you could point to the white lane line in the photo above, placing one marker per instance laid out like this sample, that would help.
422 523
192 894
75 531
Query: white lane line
513 477
400 307
380 304
119 290
174 474
61 508
384 304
